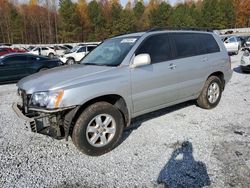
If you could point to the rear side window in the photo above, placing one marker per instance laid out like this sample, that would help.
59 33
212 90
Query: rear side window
158 47
185 44
193 44
209 42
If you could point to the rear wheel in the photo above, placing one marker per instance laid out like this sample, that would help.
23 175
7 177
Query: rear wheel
70 61
51 55
211 93
98 129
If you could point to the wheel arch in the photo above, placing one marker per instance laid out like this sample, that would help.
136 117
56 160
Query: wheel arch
114 99
220 75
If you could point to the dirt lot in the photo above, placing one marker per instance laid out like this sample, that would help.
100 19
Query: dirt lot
181 146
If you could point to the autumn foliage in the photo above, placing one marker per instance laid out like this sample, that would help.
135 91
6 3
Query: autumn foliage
50 21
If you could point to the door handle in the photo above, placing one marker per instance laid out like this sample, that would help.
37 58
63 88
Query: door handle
172 66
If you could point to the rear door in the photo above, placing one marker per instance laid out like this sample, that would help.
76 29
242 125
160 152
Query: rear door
192 61
156 84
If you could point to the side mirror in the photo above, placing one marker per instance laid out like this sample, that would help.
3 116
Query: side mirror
141 60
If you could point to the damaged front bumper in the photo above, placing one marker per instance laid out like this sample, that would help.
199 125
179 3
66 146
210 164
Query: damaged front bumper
53 123
31 121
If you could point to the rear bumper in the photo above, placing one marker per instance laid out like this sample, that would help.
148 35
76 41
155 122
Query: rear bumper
228 76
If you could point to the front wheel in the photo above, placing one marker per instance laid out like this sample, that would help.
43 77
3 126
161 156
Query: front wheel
98 129
211 93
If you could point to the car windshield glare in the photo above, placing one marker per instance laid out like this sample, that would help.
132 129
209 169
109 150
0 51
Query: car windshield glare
111 52
75 49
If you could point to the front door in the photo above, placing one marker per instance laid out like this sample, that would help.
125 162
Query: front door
155 84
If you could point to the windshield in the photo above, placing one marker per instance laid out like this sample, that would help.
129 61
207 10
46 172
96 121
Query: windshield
74 49
111 52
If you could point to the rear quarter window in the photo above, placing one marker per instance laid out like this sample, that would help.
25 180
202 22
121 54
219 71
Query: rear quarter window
210 43
193 44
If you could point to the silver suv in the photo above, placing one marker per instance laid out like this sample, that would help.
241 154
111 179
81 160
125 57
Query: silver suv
124 77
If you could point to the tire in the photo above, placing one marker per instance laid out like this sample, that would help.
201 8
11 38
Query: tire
204 100
51 55
82 137
70 61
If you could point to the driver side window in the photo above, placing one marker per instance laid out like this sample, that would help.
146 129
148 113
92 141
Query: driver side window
158 47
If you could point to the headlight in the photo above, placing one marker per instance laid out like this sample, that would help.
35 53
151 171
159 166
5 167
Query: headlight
48 99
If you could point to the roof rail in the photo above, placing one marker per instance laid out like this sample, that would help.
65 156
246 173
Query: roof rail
180 28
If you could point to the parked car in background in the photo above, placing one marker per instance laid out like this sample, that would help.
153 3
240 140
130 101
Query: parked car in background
124 77
21 50
248 41
4 51
68 46
245 61
15 66
30 48
232 44
44 51
60 50
77 53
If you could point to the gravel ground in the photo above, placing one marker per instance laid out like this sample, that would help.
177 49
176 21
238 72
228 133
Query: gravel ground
180 146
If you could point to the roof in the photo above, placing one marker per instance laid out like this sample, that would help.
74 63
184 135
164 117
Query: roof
163 30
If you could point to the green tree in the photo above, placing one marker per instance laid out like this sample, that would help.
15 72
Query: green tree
211 14
183 16
97 21
69 27
227 13
159 17
138 9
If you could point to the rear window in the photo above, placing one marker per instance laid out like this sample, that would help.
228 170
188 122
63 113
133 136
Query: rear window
192 44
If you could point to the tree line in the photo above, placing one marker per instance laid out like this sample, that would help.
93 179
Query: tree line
46 21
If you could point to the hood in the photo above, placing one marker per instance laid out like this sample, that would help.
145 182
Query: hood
61 77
